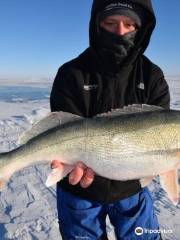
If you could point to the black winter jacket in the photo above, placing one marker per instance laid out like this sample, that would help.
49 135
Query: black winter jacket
88 85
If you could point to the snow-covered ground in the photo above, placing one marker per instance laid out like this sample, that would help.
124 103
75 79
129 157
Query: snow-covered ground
27 206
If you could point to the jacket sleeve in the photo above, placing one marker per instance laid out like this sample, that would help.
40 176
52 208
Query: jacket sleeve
64 94
159 91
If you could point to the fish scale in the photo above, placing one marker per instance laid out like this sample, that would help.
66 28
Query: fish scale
132 143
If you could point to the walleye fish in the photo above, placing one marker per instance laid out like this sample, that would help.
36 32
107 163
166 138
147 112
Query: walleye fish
136 142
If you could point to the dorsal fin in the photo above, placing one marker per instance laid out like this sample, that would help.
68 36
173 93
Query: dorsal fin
55 119
130 109
52 120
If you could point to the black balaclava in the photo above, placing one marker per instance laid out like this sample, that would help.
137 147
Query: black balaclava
115 50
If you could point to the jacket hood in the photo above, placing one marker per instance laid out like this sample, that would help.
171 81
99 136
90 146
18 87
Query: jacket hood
144 33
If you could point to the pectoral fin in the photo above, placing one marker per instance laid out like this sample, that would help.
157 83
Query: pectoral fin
57 174
169 181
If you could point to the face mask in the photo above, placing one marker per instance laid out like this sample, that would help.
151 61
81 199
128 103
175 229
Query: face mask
114 47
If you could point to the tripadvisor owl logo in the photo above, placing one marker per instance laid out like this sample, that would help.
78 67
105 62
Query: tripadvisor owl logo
139 231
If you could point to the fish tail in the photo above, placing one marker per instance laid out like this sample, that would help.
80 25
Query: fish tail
5 173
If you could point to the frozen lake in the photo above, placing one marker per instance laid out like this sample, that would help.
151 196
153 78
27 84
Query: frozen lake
23 93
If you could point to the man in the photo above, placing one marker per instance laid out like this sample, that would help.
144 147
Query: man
110 74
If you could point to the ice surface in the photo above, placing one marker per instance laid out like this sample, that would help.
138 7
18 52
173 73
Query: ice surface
27 206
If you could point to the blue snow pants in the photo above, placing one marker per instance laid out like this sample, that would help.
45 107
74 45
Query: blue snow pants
81 219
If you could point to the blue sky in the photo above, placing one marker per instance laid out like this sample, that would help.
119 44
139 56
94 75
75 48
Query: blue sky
37 36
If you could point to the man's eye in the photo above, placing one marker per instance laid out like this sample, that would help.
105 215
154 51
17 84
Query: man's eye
129 25
109 23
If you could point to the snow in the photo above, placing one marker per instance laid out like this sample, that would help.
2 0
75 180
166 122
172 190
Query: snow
27 206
